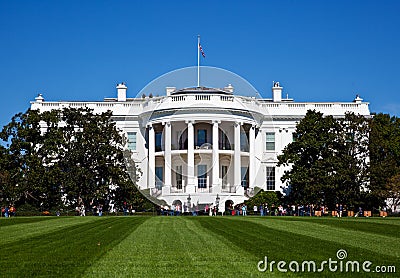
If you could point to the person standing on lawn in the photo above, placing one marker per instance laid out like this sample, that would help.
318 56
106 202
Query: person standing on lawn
340 210
244 210
262 210
6 210
82 210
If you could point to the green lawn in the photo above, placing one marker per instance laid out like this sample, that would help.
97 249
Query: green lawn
191 246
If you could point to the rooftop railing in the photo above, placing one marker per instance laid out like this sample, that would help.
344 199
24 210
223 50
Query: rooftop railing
264 106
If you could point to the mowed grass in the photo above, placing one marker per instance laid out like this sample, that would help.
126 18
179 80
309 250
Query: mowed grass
190 246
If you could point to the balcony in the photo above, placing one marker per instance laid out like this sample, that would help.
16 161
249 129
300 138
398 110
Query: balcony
179 187
203 190
176 189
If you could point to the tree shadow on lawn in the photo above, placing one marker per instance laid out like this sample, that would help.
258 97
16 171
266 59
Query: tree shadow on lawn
25 220
66 252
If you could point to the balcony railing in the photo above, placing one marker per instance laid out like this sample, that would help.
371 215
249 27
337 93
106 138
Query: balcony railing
175 189
228 189
205 146
203 190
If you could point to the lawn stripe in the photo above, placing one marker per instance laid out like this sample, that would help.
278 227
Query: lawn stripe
366 240
174 247
10 221
265 239
381 227
66 252
17 232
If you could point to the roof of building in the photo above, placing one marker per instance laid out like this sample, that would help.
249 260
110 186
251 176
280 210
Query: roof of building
202 90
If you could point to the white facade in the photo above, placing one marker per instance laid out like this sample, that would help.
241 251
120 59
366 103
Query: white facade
197 145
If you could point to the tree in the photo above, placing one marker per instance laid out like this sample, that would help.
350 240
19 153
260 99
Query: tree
22 136
392 192
65 157
91 160
328 160
384 151
264 197
310 158
351 159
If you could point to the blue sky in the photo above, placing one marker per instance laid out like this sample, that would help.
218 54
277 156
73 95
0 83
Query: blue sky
318 50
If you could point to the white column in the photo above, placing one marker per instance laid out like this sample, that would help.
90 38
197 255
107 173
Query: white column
151 174
167 153
215 158
252 139
190 159
236 157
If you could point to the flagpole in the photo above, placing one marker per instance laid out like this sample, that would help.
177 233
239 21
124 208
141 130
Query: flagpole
198 60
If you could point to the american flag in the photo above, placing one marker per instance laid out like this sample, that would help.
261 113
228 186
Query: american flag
201 51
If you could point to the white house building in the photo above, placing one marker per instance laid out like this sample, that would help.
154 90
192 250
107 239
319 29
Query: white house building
204 145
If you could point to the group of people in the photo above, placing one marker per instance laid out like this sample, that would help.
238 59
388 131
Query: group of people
175 210
8 211
194 210
240 209
288 210
340 210
80 210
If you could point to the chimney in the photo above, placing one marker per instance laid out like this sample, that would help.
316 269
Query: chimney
276 92
121 90
170 90
39 98
358 99
229 88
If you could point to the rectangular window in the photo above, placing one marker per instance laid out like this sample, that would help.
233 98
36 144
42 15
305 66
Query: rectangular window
201 137
159 177
223 141
158 146
244 177
270 141
182 140
270 178
294 137
132 141
202 176
179 177
224 171
244 142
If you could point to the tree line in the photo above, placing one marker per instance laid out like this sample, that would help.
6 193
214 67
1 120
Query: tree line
354 161
60 159
63 158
